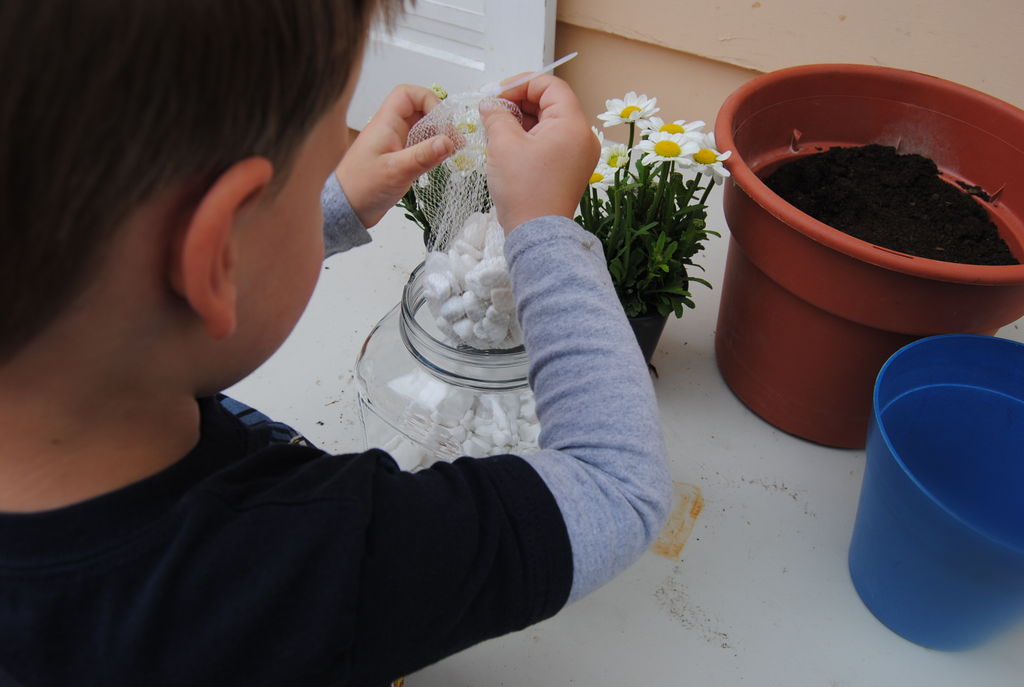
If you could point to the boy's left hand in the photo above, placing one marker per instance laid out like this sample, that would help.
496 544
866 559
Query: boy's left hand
378 169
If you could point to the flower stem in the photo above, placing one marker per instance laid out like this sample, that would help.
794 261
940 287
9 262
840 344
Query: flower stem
627 168
656 210
585 211
690 187
707 191
616 232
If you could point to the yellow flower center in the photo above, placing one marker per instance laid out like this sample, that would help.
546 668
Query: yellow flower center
628 112
463 163
667 149
596 178
616 161
466 128
705 156
672 128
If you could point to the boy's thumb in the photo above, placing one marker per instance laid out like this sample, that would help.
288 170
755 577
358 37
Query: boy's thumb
498 121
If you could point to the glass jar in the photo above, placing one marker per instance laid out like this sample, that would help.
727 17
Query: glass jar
422 399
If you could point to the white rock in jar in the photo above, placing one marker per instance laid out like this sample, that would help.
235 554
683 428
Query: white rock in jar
474 274
442 422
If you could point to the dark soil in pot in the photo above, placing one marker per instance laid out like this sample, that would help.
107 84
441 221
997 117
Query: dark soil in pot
895 201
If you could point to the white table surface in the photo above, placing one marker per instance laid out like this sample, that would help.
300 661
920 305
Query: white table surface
760 595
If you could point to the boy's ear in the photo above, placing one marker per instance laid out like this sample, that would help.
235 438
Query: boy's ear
202 269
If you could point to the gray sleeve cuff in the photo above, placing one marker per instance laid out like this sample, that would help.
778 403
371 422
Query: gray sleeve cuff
342 228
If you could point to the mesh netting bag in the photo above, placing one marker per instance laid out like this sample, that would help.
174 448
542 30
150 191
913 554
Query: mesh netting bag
466 281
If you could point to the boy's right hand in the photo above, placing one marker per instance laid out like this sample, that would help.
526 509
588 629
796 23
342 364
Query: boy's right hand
542 167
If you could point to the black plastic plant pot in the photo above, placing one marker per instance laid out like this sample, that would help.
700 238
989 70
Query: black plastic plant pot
647 329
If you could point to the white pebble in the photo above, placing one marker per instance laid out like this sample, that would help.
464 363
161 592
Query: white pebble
528 408
484 427
476 285
498 318
463 248
495 246
432 392
511 405
453 309
454 406
529 432
501 438
496 252
437 287
490 332
515 332
492 272
437 262
503 300
408 455
475 446
497 410
461 264
474 231
463 329
475 308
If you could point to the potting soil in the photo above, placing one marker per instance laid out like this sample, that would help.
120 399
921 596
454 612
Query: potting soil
895 201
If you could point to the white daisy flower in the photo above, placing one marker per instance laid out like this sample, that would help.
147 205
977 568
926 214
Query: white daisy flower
615 155
679 126
599 134
707 159
602 177
469 122
467 160
666 147
636 109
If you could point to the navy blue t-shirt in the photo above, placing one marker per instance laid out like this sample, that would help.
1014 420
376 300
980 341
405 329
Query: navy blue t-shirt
260 563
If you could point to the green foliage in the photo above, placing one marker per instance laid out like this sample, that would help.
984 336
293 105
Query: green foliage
414 212
423 210
651 229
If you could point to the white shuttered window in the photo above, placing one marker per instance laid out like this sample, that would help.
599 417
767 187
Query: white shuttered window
458 44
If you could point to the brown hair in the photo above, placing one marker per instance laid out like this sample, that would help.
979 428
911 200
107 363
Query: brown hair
104 102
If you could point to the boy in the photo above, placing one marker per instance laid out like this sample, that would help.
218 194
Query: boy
162 168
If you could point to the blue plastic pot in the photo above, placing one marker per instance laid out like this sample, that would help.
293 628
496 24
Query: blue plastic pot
938 546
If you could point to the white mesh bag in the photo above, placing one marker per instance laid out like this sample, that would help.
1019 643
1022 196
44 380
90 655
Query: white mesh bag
466 282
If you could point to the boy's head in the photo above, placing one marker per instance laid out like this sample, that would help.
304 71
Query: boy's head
104 104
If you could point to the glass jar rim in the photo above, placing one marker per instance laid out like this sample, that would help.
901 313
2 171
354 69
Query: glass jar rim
487 369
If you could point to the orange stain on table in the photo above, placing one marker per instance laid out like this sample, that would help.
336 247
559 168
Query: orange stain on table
687 504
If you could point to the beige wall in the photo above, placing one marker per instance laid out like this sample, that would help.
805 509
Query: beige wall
687 87
691 55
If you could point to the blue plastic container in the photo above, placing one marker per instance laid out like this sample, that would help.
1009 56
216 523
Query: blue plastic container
938 546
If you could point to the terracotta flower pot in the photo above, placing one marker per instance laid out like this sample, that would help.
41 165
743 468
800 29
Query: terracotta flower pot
809 314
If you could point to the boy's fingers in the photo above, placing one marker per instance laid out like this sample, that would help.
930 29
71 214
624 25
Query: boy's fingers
415 160
500 122
531 94
542 98
416 102
404 107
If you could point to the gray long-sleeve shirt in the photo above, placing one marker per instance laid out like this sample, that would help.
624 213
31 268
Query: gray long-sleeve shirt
602 454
